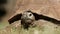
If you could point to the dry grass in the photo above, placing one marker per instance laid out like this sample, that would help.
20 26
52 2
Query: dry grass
43 28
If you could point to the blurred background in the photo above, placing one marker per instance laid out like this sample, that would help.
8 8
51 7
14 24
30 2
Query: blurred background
7 8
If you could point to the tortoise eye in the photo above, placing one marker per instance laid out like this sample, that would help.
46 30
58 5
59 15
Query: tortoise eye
30 14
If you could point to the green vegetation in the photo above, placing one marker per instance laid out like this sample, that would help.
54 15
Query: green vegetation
45 29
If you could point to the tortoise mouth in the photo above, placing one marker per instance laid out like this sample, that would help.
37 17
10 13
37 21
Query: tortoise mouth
26 24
